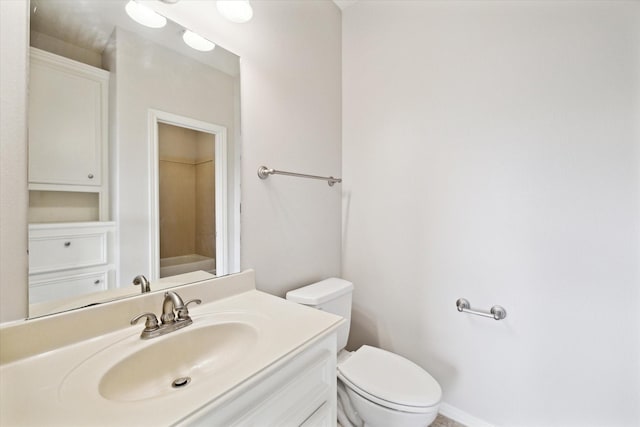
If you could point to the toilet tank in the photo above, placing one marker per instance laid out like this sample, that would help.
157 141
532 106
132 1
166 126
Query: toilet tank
332 295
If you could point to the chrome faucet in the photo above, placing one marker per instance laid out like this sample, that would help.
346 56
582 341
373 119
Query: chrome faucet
144 284
175 315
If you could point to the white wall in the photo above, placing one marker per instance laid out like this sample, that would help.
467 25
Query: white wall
491 151
291 120
62 48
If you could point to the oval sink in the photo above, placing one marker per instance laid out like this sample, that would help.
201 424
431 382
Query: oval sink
189 353
197 357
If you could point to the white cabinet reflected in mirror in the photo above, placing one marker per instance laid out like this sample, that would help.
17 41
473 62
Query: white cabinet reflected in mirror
133 156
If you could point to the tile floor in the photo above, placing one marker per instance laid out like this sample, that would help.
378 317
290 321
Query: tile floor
442 421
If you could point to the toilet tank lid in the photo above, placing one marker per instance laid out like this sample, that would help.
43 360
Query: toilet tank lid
320 292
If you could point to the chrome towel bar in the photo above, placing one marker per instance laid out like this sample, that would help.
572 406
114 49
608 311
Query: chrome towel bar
264 172
497 312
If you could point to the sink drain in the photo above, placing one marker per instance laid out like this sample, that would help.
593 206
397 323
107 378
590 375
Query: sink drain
180 382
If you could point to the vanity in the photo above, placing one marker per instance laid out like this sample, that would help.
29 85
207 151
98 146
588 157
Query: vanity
248 358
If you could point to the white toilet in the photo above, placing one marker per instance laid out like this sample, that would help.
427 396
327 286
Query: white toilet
376 388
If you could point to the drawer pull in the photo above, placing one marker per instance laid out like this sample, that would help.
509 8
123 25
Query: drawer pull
96 282
67 244
90 176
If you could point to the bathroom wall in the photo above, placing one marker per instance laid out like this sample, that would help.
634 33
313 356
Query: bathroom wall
14 42
291 119
62 206
177 182
187 192
491 152
62 48
177 208
205 195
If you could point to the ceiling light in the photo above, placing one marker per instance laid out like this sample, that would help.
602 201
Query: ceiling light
238 11
197 42
145 16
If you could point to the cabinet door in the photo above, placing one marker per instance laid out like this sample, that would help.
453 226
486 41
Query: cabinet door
298 390
66 129
321 418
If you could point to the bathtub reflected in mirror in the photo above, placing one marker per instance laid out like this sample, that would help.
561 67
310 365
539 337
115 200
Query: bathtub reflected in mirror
181 264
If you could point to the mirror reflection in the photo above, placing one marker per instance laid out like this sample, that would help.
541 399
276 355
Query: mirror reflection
133 156
187 200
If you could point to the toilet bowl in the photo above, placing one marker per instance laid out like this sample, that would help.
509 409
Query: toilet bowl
387 389
377 388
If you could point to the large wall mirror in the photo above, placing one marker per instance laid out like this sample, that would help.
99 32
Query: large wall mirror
133 156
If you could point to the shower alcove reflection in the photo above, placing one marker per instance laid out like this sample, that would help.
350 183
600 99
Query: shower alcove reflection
187 202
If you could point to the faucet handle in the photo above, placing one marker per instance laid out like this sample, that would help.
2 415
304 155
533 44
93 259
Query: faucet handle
183 313
151 324
196 300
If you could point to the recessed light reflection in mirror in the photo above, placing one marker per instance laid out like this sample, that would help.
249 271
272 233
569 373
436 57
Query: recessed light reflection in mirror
238 11
144 16
197 42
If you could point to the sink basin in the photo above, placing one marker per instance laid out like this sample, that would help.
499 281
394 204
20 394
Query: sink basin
192 354
133 369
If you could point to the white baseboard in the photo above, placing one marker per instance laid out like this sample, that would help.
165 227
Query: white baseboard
461 416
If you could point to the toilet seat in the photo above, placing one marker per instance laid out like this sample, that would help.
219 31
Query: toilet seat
390 380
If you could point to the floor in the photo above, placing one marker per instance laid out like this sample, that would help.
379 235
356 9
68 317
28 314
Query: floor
442 421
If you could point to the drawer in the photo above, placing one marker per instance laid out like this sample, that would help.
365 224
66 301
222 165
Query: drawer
66 286
54 253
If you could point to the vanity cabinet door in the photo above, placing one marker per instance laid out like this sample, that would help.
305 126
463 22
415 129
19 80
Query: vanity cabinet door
322 417
298 401
67 120
300 390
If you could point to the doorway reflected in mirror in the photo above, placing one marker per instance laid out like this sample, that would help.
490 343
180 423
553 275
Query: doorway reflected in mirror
187 200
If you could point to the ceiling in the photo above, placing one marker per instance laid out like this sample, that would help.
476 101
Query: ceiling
343 4
90 23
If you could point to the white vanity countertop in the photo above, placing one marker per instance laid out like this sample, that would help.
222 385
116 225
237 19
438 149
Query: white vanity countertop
51 388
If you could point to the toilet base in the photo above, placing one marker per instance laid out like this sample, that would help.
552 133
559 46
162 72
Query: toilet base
347 415
374 415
